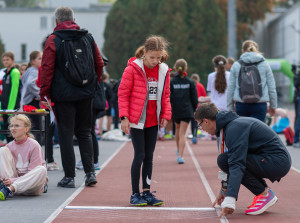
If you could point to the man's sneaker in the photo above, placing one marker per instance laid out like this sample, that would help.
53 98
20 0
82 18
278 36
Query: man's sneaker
66 182
97 166
151 199
180 160
79 165
261 203
137 200
5 192
52 166
90 179
177 154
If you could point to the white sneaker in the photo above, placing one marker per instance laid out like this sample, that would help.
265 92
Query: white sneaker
52 166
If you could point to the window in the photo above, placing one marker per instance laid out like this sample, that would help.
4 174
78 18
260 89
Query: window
43 22
23 51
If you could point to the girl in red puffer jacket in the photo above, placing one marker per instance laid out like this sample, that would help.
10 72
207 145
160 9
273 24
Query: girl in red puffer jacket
144 105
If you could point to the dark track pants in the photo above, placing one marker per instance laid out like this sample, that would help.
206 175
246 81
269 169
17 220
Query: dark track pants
144 141
258 167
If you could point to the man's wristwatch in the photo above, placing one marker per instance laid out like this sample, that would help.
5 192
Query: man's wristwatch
123 118
224 184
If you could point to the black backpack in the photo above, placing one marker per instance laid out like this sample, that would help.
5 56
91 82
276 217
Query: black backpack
250 86
78 58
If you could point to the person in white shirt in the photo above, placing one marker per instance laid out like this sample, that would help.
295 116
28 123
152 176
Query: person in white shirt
217 83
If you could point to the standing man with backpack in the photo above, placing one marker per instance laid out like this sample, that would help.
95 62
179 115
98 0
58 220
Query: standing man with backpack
71 67
251 84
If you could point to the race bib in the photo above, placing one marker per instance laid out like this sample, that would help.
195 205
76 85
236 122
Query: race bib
152 90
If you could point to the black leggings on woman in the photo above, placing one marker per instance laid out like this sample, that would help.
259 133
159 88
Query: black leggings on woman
143 141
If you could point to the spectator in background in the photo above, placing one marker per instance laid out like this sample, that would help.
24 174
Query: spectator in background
201 93
22 166
217 83
23 68
11 94
114 102
230 62
251 55
73 104
184 101
30 93
108 95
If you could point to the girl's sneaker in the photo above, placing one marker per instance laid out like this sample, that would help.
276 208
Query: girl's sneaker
137 200
5 192
180 160
151 199
261 203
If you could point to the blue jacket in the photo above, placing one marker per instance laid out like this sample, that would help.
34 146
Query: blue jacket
267 79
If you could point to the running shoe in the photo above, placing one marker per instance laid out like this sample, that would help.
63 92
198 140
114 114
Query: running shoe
67 182
137 200
194 140
52 166
97 166
79 165
168 136
180 160
5 192
151 199
177 154
261 203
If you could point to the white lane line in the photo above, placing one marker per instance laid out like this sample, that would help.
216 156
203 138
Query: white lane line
205 183
68 201
138 208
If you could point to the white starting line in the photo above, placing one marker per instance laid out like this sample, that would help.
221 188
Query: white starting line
139 208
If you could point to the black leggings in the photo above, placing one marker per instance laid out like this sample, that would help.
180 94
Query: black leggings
143 141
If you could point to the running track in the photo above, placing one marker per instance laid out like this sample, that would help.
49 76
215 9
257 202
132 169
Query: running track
188 191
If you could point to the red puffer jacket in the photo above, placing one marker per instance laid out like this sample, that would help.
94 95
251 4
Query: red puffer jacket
132 93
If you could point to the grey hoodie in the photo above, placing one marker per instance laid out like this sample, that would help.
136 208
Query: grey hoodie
243 136
267 79
29 88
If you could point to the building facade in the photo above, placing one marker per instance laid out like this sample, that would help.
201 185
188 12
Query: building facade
23 30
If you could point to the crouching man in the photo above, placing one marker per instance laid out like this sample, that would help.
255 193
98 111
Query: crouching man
254 152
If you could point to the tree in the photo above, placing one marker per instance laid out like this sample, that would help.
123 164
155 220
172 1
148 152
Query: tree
190 27
2 50
23 3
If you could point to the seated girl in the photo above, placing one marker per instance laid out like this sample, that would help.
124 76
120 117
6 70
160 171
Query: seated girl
22 166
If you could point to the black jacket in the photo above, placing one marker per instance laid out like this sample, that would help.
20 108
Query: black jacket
184 97
243 135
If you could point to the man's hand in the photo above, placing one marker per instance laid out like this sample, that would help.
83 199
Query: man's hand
225 212
125 126
219 199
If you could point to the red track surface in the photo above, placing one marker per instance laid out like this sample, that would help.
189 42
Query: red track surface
179 186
